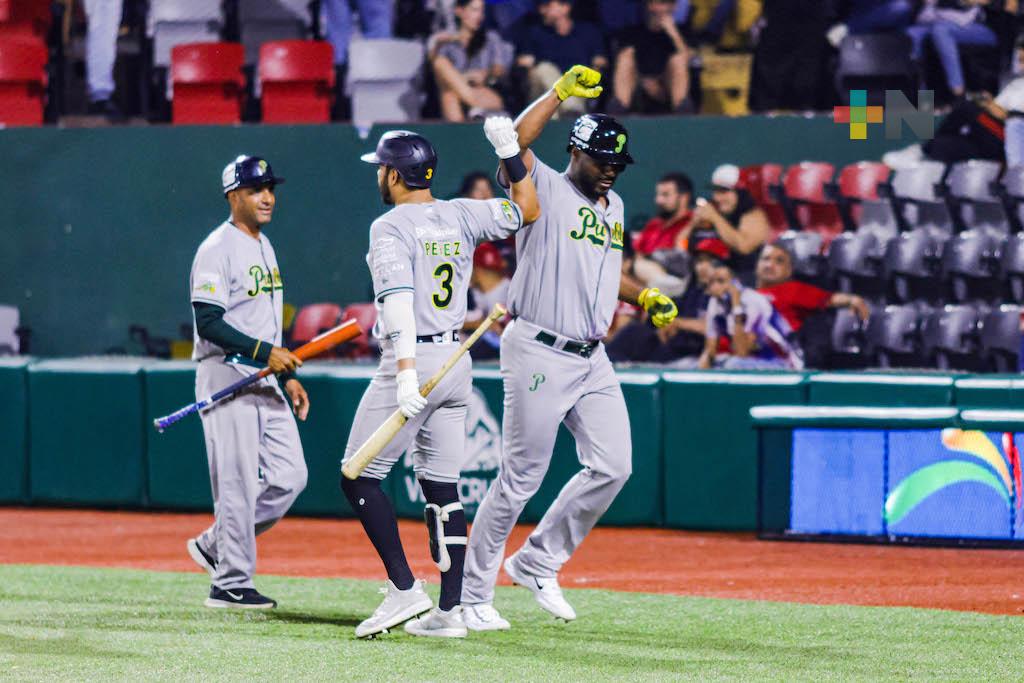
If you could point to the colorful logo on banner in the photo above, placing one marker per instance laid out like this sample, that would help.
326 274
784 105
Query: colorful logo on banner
897 111
998 469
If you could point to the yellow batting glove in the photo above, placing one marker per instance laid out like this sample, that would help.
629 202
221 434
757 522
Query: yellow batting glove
661 308
579 81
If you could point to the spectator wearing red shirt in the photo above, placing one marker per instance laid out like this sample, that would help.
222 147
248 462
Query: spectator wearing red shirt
794 300
658 262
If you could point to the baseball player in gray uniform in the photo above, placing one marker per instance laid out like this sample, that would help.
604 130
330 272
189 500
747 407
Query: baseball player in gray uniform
555 369
256 463
420 258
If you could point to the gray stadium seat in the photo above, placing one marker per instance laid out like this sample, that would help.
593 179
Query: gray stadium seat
176 22
1011 191
894 335
918 197
975 203
262 21
856 258
1011 268
950 338
970 265
875 62
848 342
1001 338
382 80
913 264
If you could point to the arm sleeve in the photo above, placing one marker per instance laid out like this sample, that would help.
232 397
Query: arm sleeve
399 323
211 326
390 260
489 219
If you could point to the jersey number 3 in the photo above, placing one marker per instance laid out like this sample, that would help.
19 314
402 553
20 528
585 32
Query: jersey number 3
444 273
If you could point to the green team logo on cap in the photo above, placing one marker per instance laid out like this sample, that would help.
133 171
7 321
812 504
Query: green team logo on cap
263 166
621 139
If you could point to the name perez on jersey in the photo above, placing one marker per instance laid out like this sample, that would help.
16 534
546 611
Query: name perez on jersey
442 248
592 229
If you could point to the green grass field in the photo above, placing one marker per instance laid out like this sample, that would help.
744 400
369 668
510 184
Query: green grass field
59 623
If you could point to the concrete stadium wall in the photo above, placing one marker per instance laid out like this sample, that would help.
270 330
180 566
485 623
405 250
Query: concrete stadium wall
100 225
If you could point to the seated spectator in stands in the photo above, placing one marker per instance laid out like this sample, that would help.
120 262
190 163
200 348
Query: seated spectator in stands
871 16
658 263
1010 102
652 72
375 18
950 24
555 45
476 185
733 217
743 330
469 64
488 285
103 19
796 301
683 337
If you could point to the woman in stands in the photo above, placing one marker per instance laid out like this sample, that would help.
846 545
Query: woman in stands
950 24
468 64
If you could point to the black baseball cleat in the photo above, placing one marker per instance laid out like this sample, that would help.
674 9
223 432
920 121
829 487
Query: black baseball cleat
239 598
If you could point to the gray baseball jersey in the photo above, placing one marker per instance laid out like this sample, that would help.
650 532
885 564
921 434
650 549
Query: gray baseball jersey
569 261
257 468
428 249
566 283
240 274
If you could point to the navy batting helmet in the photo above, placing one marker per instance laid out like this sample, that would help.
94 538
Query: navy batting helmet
601 137
410 154
247 171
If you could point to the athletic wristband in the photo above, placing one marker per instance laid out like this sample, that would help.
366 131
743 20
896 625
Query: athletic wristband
515 168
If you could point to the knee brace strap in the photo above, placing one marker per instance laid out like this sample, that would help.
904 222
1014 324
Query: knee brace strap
435 516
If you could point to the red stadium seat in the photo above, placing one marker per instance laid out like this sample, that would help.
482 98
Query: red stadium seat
314 319
208 82
297 77
22 81
366 315
859 182
25 16
758 180
804 189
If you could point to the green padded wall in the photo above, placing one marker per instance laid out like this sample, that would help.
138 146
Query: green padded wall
879 389
178 473
1004 392
86 432
710 445
14 427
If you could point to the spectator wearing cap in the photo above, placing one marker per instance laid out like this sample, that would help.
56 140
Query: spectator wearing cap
553 46
683 338
469 64
743 329
488 285
658 262
796 301
652 72
733 217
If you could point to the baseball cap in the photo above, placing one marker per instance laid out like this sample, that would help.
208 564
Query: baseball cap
488 257
248 171
712 247
726 177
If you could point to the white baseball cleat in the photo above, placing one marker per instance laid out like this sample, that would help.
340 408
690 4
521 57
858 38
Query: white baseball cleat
545 590
484 617
438 624
398 606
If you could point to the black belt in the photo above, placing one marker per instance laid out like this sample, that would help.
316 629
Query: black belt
437 338
584 349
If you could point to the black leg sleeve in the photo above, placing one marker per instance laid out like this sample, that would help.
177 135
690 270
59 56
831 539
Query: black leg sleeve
378 517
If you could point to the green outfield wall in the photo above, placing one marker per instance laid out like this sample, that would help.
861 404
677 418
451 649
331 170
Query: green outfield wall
79 432
100 225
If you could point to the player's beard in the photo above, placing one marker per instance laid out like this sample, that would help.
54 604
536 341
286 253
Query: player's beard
385 191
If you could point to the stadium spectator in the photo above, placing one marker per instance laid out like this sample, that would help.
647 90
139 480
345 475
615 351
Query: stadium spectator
683 337
743 330
488 285
469 64
658 263
553 46
950 24
375 21
734 217
476 185
724 24
796 301
104 21
871 16
652 71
